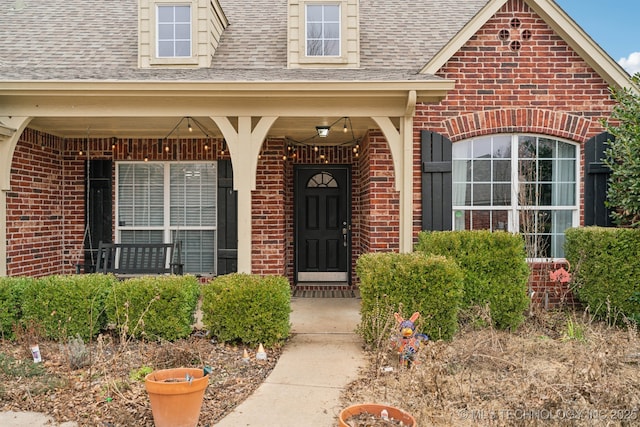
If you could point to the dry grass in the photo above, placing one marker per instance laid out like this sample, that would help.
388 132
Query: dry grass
558 369
108 390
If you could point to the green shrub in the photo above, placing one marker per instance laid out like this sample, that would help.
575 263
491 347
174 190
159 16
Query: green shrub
247 308
154 307
495 270
605 263
66 306
431 285
11 297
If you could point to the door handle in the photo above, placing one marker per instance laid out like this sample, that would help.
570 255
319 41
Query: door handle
345 230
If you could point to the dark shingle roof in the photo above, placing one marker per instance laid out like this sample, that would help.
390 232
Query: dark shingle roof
98 40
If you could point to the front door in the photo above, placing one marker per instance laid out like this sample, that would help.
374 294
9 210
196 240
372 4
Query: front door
322 223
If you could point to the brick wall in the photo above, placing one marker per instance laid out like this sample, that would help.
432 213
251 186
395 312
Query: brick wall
46 207
516 75
268 216
36 234
383 203
548 293
46 204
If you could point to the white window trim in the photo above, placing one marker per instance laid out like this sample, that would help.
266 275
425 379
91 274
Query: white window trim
167 228
514 208
338 59
182 60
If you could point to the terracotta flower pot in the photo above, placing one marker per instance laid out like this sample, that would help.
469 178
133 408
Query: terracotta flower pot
376 410
176 402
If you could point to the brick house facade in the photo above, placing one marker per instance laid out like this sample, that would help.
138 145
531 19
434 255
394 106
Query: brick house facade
510 67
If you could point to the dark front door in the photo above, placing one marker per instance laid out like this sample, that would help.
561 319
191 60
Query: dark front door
322 223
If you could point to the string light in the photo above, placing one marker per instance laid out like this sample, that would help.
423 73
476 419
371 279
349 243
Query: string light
352 146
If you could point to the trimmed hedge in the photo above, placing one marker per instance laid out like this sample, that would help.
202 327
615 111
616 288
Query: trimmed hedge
154 307
431 285
248 308
605 264
495 270
11 297
66 306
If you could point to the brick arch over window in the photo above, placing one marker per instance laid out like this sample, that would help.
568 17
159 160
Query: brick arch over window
518 120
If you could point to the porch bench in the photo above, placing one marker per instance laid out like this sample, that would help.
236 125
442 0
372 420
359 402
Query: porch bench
136 259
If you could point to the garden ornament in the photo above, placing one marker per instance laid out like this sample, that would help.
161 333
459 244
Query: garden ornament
261 354
408 340
561 275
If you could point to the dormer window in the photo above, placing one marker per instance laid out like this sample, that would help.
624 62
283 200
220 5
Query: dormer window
323 29
174 31
179 33
323 34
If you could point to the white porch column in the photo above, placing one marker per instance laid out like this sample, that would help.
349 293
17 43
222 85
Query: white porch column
10 131
406 194
244 145
401 146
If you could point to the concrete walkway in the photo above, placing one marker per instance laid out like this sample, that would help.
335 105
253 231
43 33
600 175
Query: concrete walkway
323 356
30 419
304 388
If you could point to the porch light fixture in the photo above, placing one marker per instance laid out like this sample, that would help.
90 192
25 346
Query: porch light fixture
323 131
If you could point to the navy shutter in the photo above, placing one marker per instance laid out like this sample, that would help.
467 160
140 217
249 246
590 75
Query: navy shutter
436 181
596 177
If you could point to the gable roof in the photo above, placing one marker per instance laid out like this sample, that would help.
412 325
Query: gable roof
96 40
559 21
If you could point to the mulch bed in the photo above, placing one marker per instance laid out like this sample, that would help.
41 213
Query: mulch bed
107 390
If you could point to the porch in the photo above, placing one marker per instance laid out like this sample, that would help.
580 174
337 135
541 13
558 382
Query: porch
63 189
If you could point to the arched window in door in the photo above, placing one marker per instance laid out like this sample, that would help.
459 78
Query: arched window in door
322 180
